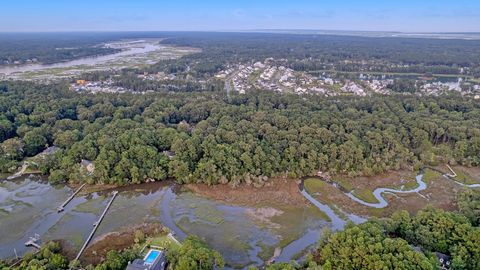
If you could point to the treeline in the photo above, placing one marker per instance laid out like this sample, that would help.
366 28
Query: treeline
301 52
48 48
206 137
48 257
318 52
369 65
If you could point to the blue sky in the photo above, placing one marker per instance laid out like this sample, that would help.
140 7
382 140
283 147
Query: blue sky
150 15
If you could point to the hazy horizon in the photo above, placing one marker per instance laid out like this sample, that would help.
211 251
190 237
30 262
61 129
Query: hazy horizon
279 30
429 16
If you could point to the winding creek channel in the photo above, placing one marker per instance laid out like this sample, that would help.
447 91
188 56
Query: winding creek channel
28 206
377 193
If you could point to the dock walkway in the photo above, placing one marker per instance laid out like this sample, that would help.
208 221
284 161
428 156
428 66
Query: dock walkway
95 226
62 207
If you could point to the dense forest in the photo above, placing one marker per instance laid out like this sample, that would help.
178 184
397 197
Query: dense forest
206 137
48 48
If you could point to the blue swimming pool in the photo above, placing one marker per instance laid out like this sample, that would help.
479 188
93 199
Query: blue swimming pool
151 256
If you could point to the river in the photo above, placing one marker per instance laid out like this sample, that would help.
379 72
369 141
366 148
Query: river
132 54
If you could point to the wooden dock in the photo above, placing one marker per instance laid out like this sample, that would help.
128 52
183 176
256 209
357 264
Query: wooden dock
276 254
453 174
95 226
172 237
62 207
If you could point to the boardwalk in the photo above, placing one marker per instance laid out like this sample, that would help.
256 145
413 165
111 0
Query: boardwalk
62 207
453 174
95 226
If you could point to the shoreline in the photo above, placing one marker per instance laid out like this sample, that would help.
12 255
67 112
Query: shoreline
272 185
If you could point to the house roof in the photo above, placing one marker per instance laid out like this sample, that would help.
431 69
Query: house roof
137 264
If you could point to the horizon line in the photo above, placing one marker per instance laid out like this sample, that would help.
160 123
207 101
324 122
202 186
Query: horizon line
266 30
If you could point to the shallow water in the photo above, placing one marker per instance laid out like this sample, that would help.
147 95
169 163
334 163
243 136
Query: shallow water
28 206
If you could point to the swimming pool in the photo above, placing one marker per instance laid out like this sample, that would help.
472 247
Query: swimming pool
151 256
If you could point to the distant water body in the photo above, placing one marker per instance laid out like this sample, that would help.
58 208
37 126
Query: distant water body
128 49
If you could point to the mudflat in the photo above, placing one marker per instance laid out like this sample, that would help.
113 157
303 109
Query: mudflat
280 191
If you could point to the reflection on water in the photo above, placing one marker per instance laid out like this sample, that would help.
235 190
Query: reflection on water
28 206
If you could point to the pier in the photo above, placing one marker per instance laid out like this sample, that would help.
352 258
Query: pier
62 207
95 226
172 237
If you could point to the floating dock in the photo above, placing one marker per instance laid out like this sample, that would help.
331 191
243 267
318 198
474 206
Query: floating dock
95 226
62 207
32 242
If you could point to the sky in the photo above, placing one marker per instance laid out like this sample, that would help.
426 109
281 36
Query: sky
233 15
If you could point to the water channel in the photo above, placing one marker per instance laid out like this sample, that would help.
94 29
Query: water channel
28 206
